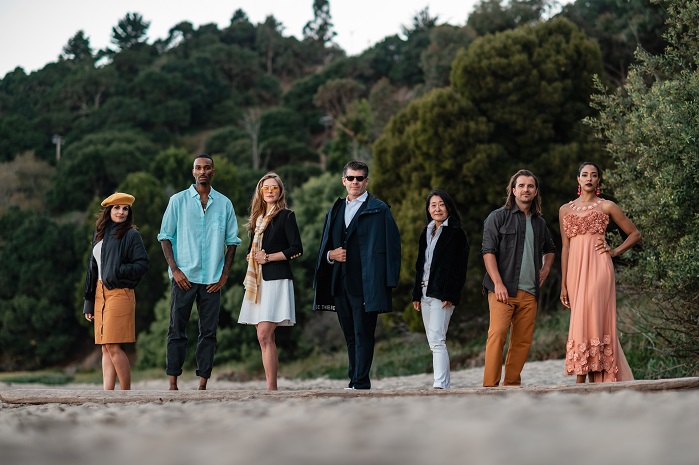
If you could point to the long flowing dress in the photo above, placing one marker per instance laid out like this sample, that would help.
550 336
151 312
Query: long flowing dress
593 345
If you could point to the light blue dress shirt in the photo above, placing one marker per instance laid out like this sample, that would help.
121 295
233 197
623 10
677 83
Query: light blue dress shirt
351 209
199 238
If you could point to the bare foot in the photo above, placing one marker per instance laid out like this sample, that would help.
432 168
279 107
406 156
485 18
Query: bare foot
173 383
202 384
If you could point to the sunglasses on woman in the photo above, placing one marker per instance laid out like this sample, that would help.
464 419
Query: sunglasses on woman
269 188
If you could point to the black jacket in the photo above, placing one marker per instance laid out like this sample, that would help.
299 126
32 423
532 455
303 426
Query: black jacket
124 262
282 235
449 263
503 236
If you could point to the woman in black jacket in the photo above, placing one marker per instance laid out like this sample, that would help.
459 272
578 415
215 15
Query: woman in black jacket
269 289
440 274
117 263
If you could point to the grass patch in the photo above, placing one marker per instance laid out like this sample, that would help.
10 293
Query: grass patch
550 336
39 377
404 355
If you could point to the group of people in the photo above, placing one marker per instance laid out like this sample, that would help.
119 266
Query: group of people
356 270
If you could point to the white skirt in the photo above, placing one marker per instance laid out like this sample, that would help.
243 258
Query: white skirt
275 303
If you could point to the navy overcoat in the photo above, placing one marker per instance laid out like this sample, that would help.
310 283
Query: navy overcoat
379 241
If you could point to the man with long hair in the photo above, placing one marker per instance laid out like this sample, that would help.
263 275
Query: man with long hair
518 253
198 225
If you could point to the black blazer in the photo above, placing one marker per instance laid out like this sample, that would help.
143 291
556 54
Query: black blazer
282 235
449 262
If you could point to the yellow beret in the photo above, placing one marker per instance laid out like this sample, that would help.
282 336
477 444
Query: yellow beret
118 198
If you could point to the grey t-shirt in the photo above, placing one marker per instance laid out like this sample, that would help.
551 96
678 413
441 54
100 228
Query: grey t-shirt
527 273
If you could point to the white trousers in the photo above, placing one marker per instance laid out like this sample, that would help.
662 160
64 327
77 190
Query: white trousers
436 320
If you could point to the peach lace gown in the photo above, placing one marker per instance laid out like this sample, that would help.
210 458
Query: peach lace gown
593 345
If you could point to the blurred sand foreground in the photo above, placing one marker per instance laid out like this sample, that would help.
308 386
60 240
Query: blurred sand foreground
401 421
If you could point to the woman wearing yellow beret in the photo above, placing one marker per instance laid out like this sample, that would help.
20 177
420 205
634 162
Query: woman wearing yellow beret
117 263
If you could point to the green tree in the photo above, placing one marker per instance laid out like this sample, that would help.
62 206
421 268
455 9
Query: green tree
241 31
201 84
318 34
228 181
163 98
17 134
436 59
29 115
620 27
269 42
385 101
96 165
491 16
128 63
130 31
173 168
533 85
334 97
650 127
238 65
405 69
179 36
320 28
83 92
516 101
78 49
422 22
38 318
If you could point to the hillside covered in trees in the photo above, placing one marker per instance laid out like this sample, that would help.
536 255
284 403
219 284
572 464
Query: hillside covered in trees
459 107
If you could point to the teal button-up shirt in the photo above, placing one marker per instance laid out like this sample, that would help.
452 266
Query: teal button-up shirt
199 239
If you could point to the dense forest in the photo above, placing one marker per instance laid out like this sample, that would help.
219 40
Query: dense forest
458 107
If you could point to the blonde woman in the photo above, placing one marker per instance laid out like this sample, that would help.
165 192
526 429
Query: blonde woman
269 289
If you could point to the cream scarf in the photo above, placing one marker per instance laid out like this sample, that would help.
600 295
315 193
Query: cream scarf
254 272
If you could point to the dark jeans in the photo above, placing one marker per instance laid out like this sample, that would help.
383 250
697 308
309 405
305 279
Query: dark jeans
208 306
358 326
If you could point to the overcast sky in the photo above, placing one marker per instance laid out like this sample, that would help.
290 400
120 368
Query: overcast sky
33 32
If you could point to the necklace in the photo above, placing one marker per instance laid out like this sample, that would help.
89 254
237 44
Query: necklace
589 207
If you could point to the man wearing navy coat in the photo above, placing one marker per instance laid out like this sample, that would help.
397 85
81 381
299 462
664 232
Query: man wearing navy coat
357 268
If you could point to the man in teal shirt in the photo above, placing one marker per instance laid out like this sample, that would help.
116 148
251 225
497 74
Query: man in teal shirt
199 236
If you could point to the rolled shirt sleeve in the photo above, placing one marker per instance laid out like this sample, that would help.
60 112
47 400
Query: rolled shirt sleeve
491 238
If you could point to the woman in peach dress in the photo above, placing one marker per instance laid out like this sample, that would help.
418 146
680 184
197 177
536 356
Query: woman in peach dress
587 284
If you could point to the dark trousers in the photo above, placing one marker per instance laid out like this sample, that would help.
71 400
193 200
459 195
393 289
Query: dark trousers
208 307
358 327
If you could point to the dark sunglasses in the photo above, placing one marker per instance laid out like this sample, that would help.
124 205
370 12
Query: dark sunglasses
358 178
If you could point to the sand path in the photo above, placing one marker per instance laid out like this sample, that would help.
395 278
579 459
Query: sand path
401 421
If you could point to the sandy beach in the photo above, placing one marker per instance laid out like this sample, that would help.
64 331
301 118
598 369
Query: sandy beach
401 421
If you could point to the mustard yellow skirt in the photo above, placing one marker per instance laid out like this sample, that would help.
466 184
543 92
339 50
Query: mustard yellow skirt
115 315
